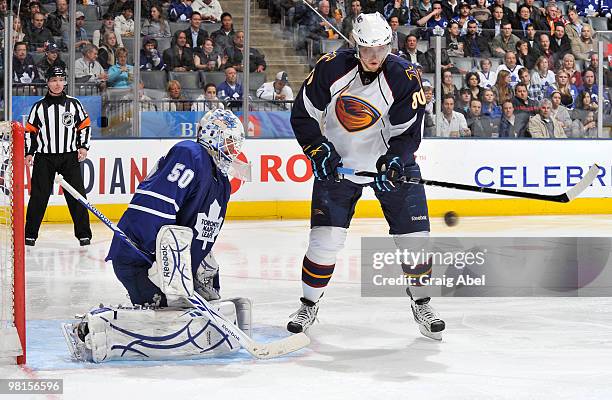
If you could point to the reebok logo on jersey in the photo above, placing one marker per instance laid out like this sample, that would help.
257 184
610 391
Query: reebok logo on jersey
314 152
419 218
208 226
355 114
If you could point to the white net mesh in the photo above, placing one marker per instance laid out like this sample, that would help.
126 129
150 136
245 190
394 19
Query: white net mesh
9 341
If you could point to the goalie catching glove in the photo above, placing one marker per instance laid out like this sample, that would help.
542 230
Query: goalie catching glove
324 159
390 171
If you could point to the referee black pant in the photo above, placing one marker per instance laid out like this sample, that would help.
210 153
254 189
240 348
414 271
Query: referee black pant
43 175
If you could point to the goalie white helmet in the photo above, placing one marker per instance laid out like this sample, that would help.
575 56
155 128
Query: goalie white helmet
372 35
222 134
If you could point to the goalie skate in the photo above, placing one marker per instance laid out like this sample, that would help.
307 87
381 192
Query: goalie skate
427 318
75 339
304 317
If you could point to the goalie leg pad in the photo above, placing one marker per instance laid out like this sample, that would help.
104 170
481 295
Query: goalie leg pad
172 270
135 333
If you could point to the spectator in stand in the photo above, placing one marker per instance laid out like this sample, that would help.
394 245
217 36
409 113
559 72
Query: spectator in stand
560 44
206 58
451 123
224 36
230 90
534 91
544 49
472 82
522 21
51 59
511 66
347 23
493 26
398 40
454 48
318 29
339 17
372 6
574 28
450 8
512 125
116 7
88 69
108 25
257 61
594 63
155 25
58 21
544 125
208 101
24 70
585 127
487 77
18 35
195 34
474 45
28 13
397 8
124 23
542 75
569 65
107 52
480 12
504 42
38 36
507 13
150 58
502 89
145 103
560 112
121 74
489 105
420 10
174 100
435 22
536 13
179 57
553 17
480 125
81 38
568 91
278 90
589 86
462 104
531 38
180 10
429 119
582 47
210 10
463 18
522 102
411 53
448 87
524 56
588 8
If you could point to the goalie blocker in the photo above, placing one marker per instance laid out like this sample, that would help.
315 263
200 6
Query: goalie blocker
153 333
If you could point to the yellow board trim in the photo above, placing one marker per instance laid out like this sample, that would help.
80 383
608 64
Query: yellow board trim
371 209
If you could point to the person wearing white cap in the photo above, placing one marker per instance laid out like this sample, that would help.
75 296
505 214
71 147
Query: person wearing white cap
81 38
276 90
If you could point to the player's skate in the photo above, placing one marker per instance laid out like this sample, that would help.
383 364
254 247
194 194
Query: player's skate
304 317
429 322
75 335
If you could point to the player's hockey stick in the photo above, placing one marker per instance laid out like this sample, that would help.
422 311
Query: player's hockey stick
566 197
257 350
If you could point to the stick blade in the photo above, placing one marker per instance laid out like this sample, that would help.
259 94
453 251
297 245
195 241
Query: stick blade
264 351
584 183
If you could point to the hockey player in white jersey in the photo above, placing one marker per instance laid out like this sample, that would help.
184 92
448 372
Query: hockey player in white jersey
174 218
361 108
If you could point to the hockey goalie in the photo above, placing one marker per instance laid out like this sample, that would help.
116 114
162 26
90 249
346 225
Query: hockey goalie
176 214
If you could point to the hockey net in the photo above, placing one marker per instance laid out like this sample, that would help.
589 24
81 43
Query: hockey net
12 268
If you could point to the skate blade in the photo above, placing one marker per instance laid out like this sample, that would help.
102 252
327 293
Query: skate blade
71 341
431 335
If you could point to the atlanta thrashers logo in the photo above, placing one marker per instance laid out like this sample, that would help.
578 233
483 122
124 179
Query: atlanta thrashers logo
355 114
67 119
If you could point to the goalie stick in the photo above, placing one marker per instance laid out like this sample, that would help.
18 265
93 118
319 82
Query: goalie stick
566 197
258 350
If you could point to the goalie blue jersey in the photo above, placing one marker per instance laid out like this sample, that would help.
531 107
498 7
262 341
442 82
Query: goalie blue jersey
186 189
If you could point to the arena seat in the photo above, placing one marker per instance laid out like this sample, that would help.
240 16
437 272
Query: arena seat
154 79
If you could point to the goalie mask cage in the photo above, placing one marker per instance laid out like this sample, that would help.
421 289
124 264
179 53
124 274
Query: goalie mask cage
12 260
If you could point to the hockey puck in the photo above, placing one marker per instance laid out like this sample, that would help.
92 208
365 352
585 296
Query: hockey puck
451 218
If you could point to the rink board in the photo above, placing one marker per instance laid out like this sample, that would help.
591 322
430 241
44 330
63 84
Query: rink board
281 185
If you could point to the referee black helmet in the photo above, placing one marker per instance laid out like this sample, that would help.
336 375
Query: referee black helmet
55 71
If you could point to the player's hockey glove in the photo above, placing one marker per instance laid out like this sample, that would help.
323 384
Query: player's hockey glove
324 159
390 170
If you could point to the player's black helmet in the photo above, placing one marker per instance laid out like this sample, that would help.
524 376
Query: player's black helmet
55 71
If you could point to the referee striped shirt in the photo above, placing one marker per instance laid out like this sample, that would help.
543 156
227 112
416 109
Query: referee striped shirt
57 124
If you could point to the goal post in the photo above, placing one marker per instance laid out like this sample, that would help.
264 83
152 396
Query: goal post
12 251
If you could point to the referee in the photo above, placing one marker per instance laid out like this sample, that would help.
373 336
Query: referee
58 130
